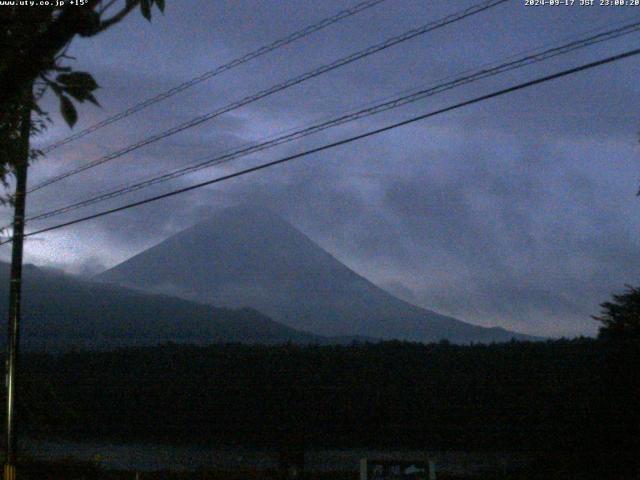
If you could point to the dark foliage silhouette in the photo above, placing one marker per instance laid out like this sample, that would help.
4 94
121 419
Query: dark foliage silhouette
620 318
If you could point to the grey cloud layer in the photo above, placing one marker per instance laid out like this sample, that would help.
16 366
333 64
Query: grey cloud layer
519 211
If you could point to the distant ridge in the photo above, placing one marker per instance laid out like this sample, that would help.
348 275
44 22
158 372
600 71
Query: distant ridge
250 257
61 312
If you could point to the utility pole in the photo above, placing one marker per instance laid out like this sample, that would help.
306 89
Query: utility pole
13 338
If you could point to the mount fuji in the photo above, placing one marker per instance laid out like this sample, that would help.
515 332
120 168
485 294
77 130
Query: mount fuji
250 257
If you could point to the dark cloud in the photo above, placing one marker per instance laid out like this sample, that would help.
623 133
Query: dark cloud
518 212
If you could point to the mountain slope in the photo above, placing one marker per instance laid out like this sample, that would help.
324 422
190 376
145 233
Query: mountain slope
251 257
61 311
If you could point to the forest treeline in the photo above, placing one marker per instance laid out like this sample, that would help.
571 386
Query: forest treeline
565 395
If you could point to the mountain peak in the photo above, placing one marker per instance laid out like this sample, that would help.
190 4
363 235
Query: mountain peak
248 256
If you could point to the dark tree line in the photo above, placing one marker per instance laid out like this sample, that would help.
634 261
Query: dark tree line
579 397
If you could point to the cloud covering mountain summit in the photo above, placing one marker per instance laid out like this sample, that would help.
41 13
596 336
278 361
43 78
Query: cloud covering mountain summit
250 257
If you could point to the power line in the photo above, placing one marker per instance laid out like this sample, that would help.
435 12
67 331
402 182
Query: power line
378 108
279 87
328 146
341 15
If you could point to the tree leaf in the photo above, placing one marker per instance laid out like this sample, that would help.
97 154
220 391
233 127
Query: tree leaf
160 4
77 93
81 80
68 111
145 8
56 88
92 99
78 85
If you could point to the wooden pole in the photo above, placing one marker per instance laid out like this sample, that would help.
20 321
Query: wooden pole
15 290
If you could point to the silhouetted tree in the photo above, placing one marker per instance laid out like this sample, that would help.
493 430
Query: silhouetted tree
616 414
33 45
620 318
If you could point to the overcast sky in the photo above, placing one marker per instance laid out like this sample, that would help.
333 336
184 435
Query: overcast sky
519 211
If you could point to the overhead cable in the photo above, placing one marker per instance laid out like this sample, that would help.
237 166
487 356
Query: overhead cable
372 110
341 15
345 141
455 17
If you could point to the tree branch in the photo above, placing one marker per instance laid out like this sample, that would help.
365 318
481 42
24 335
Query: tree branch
118 16
25 68
107 6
